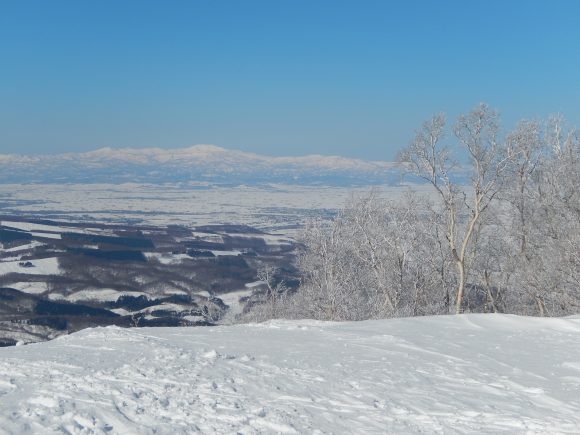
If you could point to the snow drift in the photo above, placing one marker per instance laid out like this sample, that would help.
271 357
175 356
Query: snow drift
447 374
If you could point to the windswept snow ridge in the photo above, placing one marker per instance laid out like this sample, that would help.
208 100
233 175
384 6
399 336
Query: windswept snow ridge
449 374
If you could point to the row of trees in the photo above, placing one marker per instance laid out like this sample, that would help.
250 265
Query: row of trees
498 231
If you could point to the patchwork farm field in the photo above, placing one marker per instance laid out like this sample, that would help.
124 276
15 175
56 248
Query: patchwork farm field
59 277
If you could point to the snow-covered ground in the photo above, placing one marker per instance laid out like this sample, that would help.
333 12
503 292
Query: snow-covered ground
275 208
100 295
21 248
42 266
30 287
167 258
448 374
232 300
28 226
50 231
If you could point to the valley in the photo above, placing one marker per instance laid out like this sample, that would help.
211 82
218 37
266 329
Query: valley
58 277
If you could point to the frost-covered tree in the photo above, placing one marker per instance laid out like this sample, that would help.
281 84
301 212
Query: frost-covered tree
502 233
463 206
371 262
276 290
545 200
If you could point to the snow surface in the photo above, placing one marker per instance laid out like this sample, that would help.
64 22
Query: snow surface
232 300
46 235
447 374
30 287
167 258
30 226
42 266
26 247
276 208
51 231
101 295
218 253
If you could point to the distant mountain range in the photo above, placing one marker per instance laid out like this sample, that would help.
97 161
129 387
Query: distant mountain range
196 164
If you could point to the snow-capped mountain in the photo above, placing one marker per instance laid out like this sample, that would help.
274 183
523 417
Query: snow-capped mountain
199 163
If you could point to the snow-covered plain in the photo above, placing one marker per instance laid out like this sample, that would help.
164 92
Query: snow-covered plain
42 266
274 208
448 374
30 287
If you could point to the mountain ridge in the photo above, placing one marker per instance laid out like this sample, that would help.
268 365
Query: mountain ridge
196 163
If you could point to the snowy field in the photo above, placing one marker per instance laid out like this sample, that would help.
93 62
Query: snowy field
270 208
449 374
43 266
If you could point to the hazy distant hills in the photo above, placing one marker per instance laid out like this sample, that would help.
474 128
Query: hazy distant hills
196 164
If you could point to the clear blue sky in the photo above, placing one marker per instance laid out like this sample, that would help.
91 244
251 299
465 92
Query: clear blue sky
281 77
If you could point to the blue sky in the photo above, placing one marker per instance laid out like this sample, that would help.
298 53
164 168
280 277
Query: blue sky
280 77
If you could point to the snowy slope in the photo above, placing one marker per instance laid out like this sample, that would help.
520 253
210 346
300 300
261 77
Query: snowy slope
449 374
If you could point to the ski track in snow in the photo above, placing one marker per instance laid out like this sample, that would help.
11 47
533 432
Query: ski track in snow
447 374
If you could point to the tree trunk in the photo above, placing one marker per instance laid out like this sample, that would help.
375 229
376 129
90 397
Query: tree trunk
460 287
540 303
